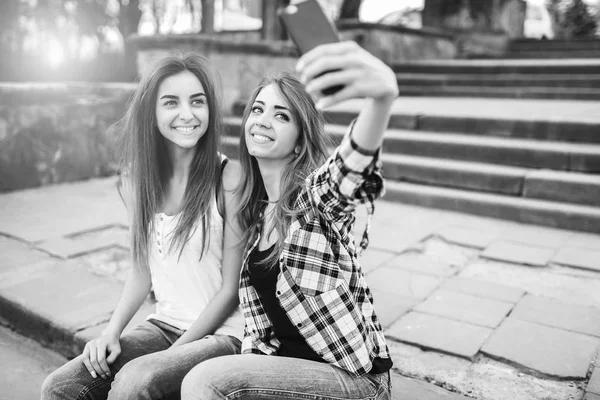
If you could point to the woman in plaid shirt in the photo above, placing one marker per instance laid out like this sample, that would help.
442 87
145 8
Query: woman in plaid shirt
304 296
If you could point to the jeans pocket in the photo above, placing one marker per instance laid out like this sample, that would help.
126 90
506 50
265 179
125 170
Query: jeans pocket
382 383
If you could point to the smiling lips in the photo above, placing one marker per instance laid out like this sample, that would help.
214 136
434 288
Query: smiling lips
185 129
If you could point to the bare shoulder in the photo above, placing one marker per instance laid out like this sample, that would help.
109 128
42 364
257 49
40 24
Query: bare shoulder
232 175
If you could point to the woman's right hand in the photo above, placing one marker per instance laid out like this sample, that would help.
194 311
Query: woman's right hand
99 353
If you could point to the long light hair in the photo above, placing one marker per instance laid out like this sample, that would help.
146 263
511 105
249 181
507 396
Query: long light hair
144 158
313 153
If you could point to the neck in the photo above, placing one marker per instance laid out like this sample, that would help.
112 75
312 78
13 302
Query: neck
181 159
271 172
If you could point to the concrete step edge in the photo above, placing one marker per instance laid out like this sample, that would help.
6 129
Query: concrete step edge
541 212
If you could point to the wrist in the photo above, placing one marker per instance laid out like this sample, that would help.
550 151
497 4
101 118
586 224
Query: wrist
112 333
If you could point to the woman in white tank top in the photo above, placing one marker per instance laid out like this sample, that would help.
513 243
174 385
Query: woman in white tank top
185 245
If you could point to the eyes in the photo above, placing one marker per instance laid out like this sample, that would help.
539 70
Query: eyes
281 115
195 102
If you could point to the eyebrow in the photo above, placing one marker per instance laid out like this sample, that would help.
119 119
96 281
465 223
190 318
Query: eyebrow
170 96
276 106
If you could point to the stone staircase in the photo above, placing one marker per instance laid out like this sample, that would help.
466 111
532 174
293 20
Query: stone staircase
556 48
502 78
545 172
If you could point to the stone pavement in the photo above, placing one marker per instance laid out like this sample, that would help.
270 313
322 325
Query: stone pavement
473 307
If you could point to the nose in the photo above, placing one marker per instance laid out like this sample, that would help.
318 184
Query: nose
263 120
185 113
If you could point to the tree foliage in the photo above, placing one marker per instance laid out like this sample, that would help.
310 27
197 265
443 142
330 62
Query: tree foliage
579 21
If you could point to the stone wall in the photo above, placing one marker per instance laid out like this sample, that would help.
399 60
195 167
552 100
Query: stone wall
399 44
240 64
52 133
242 60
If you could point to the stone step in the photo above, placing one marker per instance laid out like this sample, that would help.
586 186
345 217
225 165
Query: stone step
516 92
502 66
548 127
569 187
582 157
534 211
554 54
515 152
502 80
554 44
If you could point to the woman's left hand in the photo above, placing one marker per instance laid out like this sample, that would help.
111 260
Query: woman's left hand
359 72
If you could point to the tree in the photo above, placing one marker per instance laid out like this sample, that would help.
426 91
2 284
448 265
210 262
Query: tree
578 20
350 9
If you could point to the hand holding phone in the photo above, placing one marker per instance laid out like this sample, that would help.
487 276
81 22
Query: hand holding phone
308 27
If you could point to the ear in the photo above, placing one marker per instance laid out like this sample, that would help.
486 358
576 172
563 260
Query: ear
297 149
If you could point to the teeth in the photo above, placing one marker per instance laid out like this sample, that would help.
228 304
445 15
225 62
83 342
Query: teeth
185 129
261 138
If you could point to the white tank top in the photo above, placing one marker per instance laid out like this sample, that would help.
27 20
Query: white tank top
184 286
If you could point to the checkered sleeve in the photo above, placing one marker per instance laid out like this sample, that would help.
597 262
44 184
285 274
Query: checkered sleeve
351 176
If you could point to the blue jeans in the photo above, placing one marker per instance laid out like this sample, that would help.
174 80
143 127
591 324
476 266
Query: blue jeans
147 367
253 376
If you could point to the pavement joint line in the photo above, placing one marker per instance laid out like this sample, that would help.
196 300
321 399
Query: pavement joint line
428 348
19 239
441 384
93 230
530 371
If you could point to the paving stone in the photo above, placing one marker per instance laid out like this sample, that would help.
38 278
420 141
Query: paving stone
519 253
587 240
402 283
16 254
551 351
591 396
393 238
570 317
472 237
578 257
390 307
73 246
593 385
408 388
535 235
66 294
373 258
465 308
551 281
439 333
418 263
488 290
62 209
93 332
437 249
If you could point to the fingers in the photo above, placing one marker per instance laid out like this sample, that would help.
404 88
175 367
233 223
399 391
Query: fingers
114 353
102 362
86 361
344 78
94 360
323 50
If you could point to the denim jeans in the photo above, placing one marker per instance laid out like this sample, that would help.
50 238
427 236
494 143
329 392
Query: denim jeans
147 367
253 376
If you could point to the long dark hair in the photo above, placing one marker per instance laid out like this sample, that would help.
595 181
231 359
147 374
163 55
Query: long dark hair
144 159
313 152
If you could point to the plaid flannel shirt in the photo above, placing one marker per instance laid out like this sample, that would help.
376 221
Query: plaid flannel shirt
321 286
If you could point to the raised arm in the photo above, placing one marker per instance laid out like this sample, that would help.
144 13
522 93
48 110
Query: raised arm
226 300
363 76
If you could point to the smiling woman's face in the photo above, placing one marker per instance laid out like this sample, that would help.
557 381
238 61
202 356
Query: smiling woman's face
271 132
182 110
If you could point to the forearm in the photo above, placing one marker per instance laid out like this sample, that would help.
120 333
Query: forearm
372 123
211 318
136 289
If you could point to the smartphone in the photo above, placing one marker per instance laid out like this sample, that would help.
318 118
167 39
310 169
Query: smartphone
308 27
